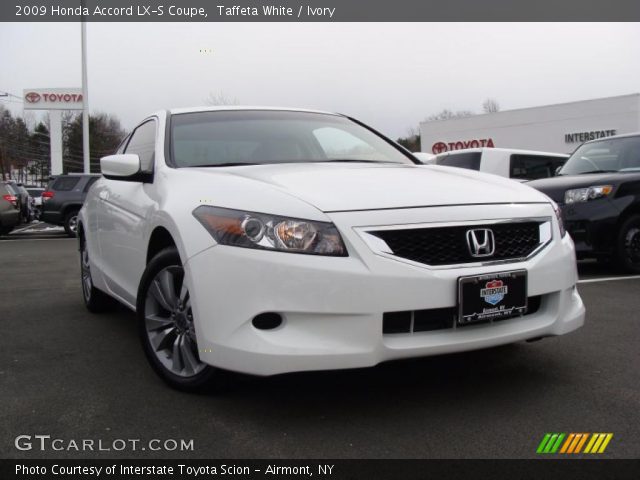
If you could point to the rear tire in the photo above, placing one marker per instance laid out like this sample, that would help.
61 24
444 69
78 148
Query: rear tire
71 223
95 300
628 245
166 328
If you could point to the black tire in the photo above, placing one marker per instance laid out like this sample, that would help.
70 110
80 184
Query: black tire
628 245
71 223
5 230
95 300
172 336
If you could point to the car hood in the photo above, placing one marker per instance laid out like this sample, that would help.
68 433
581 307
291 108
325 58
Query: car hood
555 187
365 186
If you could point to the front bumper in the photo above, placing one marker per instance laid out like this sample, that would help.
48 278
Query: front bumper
52 217
333 307
593 225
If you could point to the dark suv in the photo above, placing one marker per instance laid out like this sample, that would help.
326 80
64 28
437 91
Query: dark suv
598 191
24 200
63 199
9 212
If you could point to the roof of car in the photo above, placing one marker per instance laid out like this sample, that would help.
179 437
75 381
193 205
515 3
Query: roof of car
511 150
623 135
244 107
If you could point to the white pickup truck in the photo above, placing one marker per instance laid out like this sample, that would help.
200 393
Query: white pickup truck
520 165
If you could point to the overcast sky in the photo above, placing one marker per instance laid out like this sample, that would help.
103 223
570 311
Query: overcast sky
390 75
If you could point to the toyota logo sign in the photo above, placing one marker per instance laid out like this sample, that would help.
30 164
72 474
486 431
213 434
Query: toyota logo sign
32 97
439 147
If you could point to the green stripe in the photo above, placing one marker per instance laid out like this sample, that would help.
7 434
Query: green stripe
543 443
550 443
558 442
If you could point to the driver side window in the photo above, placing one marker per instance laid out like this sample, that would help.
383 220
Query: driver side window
143 143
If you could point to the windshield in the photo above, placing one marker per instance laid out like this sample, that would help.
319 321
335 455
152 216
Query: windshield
615 155
250 137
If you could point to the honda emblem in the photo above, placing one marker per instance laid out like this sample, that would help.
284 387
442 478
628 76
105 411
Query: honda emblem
481 242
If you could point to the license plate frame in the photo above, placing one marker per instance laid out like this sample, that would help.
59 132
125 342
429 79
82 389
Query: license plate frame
483 298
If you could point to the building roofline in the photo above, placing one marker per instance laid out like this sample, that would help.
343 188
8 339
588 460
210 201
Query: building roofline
532 108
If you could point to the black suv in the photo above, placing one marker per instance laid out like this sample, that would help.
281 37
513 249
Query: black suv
63 199
598 191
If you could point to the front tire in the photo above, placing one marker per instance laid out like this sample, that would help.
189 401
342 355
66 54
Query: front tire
628 245
166 327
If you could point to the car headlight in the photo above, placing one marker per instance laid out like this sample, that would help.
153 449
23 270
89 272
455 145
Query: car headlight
586 194
270 232
558 213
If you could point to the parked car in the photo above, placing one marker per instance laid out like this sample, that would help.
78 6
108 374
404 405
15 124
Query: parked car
267 241
520 165
9 213
36 200
63 198
598 191
24 200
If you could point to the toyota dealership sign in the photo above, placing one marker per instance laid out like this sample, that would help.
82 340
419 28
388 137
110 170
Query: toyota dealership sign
441 147
52 99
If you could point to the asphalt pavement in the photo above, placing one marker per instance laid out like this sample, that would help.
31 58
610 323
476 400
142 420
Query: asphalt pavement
73 375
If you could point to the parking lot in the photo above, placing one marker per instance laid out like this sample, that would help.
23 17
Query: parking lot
72 375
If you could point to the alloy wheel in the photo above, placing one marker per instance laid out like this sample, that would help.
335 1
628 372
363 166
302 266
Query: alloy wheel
169 323
85 271
73 224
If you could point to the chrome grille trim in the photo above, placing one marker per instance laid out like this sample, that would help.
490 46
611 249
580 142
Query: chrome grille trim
380 247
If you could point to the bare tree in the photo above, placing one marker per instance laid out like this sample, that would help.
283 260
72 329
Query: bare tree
412 140
221 98
490 105
447 114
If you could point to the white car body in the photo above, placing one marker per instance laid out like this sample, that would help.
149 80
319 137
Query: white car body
332 307
504 162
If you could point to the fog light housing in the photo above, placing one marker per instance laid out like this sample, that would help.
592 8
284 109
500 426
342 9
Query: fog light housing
267 321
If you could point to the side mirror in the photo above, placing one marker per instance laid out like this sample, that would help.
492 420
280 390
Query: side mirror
555 174
425 158
125 166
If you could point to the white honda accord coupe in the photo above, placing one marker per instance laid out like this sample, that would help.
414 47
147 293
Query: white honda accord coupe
265 240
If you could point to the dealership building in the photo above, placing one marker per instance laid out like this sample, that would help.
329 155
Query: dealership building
550 128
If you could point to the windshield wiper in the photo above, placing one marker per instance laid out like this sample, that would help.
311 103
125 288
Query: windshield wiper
598 171
352 160
228 164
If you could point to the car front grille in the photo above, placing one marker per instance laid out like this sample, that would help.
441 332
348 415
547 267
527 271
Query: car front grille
410 321
448 245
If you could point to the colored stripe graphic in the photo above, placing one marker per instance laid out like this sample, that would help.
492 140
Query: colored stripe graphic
567 443
543 443
574 442
550 443
598 442
581 443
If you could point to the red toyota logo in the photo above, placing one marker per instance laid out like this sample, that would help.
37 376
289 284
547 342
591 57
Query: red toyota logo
439 147
32 97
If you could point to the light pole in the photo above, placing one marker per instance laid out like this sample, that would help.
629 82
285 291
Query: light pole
85 100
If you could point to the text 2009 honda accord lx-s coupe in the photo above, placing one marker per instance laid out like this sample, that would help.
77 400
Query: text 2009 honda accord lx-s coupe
275 240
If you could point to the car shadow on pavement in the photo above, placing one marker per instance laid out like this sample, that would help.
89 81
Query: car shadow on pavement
444 379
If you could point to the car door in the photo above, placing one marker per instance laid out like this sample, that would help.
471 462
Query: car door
124 206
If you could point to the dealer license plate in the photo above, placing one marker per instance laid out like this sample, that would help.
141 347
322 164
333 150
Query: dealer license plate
495 296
